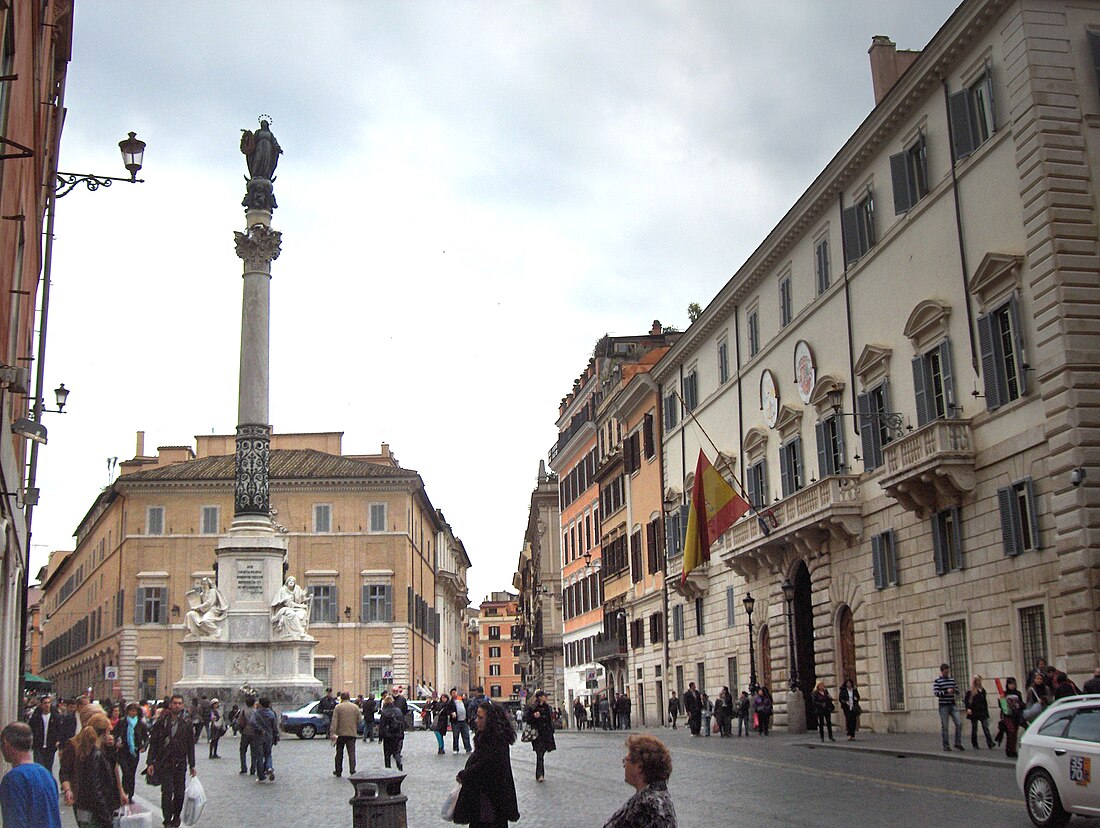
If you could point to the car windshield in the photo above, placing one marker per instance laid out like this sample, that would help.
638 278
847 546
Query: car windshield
1085 726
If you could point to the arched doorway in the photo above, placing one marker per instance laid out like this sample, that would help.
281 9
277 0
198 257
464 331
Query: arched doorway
766 659
803 608
846 643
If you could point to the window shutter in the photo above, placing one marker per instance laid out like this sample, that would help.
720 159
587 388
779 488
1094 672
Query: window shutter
730 607
784 472
947 376
987 350
962 132
890 553
937 544
1094 49
648 435
651 546
842 450
956 514
334 604
364 603
162 606
139 605
920 390
1033 513
867 432
849 230
877 562
1018 335
823 470
1009 535
899 175
681 528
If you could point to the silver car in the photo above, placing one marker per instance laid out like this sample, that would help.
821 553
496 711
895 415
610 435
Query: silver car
1058 754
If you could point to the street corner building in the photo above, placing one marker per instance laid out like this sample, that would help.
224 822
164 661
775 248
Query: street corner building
386 572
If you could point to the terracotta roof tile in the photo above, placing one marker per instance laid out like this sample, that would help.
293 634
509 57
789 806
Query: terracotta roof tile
285 464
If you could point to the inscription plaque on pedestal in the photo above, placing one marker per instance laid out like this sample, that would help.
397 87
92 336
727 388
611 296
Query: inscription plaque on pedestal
250 580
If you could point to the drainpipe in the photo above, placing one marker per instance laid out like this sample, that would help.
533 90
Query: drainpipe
664 558
959 233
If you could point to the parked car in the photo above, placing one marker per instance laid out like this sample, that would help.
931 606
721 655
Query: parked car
415 709
307 722
1056 755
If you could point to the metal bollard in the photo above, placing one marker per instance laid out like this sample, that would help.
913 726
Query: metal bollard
378 801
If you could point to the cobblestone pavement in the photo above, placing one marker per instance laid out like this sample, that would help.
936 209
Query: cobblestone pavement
775 781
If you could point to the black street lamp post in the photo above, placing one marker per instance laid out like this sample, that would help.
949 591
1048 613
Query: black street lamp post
750 602
788 594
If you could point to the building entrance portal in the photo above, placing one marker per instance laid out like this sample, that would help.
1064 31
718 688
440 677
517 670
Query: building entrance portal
804 639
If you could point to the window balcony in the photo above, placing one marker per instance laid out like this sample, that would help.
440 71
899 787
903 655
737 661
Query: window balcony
932 468
609 649
830 509
694 585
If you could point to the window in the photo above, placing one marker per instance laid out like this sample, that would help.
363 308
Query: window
972 116
632 453
636 571
909 173
955 635
1085 726
494 669
377 603
323 607
323 675
675 526
786 313
947 540
656 628
210 520
637 633
120 601
699 621
731 606
672 412
494 652
151 605
756 484
652 543
874 431
322 517
154 520
895 678
494 633
830 446
821 264
1002 351
378 517
790 466
723 360
731 675
678 622
884 559
515 651
857 224
691 390
649 442
754 332
1019 517
933 384
1033 634
494 691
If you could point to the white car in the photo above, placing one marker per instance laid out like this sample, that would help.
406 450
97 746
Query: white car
1058 754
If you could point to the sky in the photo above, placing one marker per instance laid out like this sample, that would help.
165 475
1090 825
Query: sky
471 194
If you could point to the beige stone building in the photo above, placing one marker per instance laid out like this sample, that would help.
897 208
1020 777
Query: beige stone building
909 392
386 572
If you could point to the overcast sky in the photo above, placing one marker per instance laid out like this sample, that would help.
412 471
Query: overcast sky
471 194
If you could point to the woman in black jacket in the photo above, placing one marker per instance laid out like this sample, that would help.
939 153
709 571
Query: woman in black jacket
849 703
439 710
977 710
97 789
488 796
539 717
131 738
823 707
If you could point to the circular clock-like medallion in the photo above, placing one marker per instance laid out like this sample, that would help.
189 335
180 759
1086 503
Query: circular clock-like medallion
805 374
769 398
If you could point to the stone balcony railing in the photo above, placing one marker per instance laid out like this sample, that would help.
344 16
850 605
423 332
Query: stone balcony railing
695 585
804 522
932 468
605 650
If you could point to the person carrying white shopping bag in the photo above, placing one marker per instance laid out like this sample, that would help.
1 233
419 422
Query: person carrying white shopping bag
193 801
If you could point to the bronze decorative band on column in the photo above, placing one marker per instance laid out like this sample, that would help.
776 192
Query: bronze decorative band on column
253 455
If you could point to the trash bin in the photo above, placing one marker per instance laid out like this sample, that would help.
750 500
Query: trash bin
378 801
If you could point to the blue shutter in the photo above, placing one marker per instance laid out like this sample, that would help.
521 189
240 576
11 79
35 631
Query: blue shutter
988 351
877 562
937 544
1018 335
849 231
1033 513
899 175
670 535
920 390
962 132
823 464
867 431
1010 535
139 605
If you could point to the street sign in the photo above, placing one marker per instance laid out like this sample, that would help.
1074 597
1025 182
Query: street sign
387 675
110 673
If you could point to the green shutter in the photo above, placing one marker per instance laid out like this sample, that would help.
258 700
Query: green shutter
963 139
849 231
987 348
139 605
1018 341
1010 534
899 175
925 411
947 377
1033 513
868 434
938 544
877 562
823 463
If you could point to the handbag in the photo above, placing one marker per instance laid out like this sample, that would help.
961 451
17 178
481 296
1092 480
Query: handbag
529 734
714 728
447 812
132 816
1032 711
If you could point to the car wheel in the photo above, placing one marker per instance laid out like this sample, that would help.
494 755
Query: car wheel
1043 805
307 732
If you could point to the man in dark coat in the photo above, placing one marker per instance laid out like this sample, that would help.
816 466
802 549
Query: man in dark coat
370 705
1093 684
171 753
693 706
46 730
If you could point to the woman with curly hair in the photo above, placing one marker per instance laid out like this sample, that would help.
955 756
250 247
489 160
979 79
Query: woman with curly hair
647 766
488 796
98 792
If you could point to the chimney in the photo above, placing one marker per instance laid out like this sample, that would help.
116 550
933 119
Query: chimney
887 65
140 450
656 330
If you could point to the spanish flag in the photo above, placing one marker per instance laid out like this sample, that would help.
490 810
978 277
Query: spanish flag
714 508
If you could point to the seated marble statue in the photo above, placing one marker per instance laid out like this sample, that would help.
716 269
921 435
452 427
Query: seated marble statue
208 610
290 610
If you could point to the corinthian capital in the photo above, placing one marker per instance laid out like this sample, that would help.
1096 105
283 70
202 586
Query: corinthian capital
259 247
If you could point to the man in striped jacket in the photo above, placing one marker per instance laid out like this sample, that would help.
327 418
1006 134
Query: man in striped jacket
945 690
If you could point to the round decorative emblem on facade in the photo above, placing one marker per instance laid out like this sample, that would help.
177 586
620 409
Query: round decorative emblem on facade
805 374
769 398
